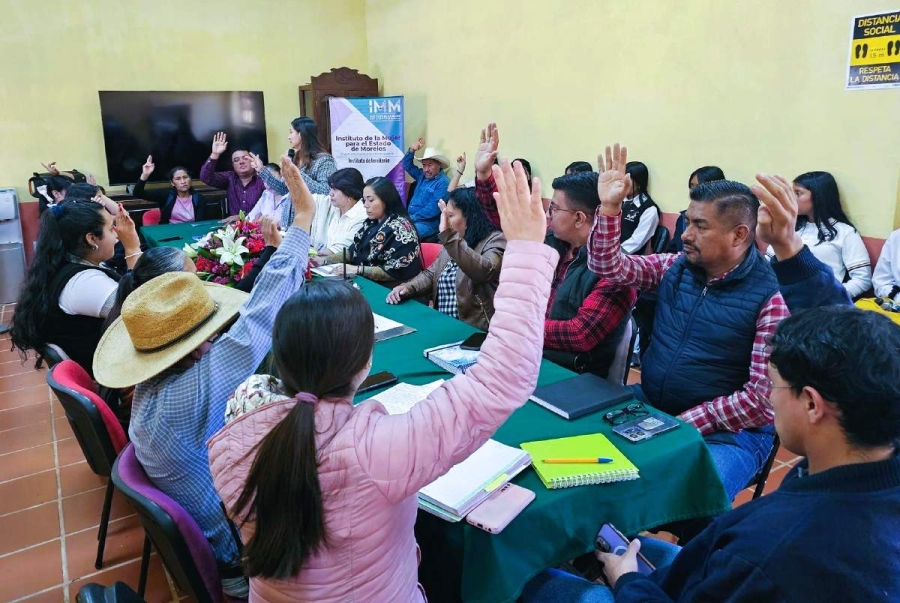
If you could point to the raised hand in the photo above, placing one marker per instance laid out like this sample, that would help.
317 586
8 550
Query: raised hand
126 230
269 228
521 211
301 198
417 145
51 168
613 184
257 163
445 224
461 163
487 151
396 294
147 168
219 144
776 220
91 180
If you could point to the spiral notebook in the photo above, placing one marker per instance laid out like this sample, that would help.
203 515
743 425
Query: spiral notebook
565 476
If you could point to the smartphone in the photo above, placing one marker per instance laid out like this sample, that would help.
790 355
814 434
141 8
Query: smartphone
375 381
611 540
500 508
473 342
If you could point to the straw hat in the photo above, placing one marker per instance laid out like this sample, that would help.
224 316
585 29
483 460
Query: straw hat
162 321
434 154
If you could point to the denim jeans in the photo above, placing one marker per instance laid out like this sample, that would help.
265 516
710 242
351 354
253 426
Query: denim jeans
554 586
737 456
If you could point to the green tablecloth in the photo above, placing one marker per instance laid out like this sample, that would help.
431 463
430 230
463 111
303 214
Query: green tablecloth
162 235
678 479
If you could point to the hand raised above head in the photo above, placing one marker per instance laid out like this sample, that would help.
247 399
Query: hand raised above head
521 210
417 145
147 168
461 163
301 198
777 217
487 151
219 144
613 184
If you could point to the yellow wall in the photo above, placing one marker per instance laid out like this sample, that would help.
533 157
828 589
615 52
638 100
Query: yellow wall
750 85
56 55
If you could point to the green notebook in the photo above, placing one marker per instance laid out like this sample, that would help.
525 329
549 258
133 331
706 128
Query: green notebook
566 476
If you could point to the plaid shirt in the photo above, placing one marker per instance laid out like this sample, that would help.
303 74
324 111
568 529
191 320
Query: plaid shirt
601 312
174 413
484 192
743 409
446 290
240 197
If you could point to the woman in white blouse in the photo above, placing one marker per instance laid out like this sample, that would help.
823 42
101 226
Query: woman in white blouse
825 228
68 291
339 214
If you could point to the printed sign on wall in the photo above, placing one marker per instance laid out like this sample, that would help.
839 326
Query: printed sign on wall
875 52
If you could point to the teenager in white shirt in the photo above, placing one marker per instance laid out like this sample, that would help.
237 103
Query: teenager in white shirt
339 214
825 228
640 215
886 279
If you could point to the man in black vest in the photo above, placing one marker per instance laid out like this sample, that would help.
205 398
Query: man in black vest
586 315
718 305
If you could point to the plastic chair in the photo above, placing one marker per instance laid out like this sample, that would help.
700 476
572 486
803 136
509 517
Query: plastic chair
660 240
762 475
51 354
430 251
618 369
96 428
183 548
151 217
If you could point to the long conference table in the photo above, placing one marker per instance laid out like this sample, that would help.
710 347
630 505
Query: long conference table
460 562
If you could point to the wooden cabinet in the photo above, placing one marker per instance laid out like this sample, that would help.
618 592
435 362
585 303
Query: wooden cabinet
342 82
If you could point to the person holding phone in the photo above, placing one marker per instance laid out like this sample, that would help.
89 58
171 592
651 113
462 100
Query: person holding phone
323 491
462 281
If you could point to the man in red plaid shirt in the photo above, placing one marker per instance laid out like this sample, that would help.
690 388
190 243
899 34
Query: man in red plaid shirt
718 305
586 315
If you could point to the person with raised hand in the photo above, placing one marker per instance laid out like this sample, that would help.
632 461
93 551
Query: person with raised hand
805 281
242 185
292 445
174 343
718 304
177 204
485 157
431 186
458 173
463 278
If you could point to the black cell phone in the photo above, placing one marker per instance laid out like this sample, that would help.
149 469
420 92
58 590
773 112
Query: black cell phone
473 342
375 381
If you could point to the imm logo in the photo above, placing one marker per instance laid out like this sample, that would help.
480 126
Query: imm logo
385 106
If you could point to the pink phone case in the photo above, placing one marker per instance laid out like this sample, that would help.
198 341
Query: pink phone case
501 508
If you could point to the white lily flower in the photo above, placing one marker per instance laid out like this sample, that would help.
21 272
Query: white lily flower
232 249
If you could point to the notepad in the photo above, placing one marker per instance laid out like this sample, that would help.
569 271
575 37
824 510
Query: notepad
471 481
403 396
566 476
385 328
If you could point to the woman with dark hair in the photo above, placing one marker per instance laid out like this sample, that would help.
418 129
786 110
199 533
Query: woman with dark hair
829 233
578 166
640 215
463 279
68 292
177 204
308 153
707 173
386 247
339 214
325 491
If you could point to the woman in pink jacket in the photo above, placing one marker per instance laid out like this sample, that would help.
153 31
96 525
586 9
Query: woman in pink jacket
325 492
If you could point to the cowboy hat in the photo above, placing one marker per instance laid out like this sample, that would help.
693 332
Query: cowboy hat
162 321
435 155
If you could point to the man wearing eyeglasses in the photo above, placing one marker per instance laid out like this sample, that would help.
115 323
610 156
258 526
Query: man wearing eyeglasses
243 187
719 303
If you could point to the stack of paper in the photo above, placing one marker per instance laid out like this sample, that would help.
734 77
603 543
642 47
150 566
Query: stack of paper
385 328
453 495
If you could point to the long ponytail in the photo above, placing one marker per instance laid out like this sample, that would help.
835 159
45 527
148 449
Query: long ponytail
63 229
283 495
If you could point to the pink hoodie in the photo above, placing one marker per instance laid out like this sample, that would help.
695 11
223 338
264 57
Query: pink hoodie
371 465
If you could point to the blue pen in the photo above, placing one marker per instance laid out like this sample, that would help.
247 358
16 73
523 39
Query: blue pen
580 461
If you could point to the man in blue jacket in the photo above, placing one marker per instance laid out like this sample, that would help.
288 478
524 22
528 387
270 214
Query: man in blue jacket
431 187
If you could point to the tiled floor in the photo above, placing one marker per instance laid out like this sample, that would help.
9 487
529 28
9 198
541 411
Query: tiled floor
50 501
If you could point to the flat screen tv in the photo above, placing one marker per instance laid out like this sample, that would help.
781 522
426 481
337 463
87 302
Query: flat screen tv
177 128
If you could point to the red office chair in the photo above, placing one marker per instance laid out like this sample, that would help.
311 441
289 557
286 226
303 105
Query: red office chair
430 251
96 428
151 217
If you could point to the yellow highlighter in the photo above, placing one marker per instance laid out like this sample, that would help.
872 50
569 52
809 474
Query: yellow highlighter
580 461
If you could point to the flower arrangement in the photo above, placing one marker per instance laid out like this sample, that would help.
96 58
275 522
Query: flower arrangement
226 255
